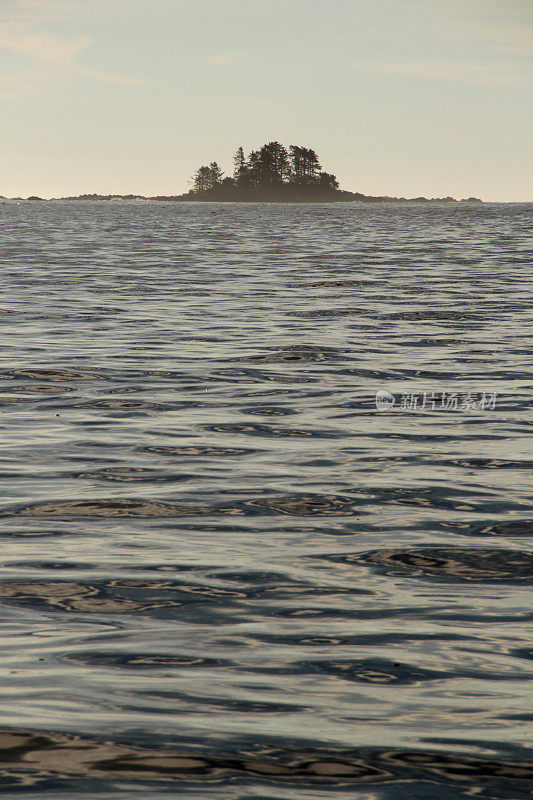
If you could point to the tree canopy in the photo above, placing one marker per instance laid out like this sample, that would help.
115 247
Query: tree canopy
272 172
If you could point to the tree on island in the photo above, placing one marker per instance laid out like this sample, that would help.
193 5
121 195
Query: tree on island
305 164
270 173
207 178
239 161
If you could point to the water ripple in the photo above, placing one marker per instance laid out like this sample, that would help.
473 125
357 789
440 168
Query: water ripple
225 573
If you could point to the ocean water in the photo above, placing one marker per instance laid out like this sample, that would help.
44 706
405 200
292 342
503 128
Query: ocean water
225 572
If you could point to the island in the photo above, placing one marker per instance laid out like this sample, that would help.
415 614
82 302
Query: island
272 174
277 174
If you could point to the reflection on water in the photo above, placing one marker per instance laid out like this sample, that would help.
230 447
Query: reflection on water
224 573
33 760
459 563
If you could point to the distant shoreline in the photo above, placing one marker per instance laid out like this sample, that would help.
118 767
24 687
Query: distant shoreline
189 197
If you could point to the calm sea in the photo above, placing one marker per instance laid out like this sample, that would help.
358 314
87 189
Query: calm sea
226 573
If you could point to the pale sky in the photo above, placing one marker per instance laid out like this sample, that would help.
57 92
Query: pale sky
398 97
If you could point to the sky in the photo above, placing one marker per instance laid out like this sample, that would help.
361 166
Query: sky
398 97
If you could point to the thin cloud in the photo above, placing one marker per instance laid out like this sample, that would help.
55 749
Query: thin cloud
42 46
55 53
451 71
109 77
508 38
505 25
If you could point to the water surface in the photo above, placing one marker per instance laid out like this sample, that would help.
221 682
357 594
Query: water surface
225 573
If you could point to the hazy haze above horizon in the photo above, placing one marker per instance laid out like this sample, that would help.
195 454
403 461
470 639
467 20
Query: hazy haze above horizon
398 97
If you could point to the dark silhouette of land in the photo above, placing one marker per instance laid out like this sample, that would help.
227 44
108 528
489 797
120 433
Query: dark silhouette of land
272 174
276 174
